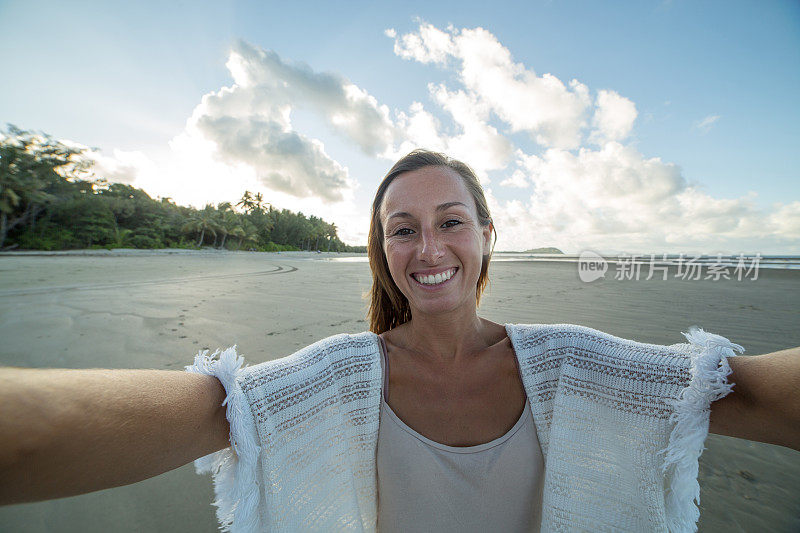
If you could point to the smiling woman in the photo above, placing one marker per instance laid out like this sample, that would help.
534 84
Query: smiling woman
440 420
450 407
392 226
434 248
435 419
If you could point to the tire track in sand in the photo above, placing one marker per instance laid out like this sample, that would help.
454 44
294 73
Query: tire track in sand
100 286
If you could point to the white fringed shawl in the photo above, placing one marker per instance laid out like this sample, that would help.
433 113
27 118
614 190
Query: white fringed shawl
621 425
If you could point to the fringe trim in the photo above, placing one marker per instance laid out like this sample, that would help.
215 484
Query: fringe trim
710 371
234 470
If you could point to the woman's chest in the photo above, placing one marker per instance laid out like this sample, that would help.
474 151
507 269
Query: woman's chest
458 404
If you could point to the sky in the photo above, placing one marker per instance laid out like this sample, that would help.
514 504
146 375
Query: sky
620 127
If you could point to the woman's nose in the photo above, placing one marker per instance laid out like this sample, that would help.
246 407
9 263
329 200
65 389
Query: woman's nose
432 249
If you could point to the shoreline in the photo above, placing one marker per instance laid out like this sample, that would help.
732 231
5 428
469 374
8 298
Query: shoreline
128 252
768 262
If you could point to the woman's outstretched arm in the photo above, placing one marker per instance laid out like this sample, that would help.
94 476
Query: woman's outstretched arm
765 403
68 432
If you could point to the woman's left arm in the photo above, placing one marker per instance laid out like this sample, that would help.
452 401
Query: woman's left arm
765 403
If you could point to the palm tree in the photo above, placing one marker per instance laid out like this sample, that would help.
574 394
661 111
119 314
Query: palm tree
200 222
238 231
226 220
330 234
121 237
9 202
192 225
246 203
250 233
29 168
258 200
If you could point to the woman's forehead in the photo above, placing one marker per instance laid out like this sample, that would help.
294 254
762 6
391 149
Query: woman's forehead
424 189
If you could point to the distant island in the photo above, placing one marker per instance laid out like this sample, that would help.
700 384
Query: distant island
543 251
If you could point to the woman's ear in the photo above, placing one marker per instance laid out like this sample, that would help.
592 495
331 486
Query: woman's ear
487 238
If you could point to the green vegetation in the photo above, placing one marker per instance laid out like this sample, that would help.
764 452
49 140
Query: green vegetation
50 200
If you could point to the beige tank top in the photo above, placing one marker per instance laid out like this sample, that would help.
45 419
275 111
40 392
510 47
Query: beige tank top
424 485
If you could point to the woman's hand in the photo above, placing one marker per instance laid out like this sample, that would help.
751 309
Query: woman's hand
68 432
765 403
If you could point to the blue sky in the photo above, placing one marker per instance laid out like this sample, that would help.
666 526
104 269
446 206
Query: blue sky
680 134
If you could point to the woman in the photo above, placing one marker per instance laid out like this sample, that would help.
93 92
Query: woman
560 426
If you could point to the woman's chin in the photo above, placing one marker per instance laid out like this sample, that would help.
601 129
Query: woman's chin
439 308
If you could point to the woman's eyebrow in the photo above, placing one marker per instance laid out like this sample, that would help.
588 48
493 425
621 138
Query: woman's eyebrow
441 207
448 205
399 214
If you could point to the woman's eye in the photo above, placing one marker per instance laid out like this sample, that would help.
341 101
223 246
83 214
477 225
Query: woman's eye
451 223
402 232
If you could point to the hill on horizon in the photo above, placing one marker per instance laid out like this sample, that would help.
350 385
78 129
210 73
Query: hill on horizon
549 250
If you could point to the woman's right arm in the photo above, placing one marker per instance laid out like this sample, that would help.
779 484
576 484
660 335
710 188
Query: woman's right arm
68 432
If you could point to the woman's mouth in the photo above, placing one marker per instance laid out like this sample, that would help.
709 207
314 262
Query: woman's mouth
433 280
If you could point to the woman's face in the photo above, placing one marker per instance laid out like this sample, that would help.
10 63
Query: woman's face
433 242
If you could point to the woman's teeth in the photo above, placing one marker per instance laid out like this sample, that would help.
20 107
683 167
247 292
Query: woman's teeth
437 278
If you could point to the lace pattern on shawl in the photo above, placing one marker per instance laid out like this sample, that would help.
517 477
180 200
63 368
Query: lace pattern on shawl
304 432
607 409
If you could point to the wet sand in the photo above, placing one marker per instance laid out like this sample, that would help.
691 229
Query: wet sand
156 310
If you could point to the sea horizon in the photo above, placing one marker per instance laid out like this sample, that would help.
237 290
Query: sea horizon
771 261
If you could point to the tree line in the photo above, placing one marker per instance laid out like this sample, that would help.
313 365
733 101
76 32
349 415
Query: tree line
51 200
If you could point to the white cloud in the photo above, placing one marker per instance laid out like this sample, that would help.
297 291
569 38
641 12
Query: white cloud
428 45
421 129
274 85
198 176
284 160
251 123
615 199
785 219
475 140
517 179
706 123
552 112
613 117
122 167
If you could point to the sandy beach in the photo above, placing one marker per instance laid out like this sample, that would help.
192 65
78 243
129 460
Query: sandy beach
157 309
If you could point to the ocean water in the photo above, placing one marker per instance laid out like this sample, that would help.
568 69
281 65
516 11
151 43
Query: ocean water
731 261
705 261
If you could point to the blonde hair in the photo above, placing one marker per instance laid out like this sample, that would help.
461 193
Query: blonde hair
388 306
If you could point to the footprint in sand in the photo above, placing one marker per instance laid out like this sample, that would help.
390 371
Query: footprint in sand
747 475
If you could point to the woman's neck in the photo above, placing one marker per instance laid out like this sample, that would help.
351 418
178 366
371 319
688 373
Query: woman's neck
449 336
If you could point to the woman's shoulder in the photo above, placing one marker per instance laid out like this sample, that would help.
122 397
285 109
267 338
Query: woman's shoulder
544 332
365 340
325 355
593 345
575 338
